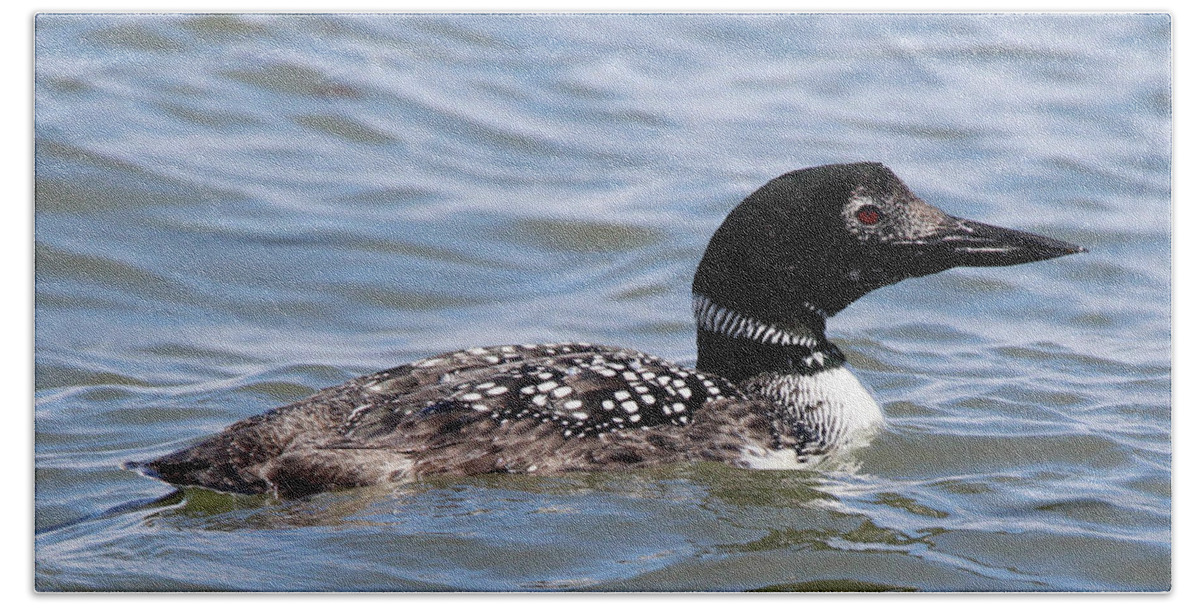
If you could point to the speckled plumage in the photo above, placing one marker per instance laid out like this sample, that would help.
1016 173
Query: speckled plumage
421 419
770 390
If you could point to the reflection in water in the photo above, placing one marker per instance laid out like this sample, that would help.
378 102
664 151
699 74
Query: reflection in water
769 511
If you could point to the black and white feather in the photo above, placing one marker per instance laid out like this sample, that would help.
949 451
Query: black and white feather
580 389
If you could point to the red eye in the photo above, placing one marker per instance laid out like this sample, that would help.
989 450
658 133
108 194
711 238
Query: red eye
868 214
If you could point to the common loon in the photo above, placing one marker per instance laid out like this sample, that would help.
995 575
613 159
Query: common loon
769 389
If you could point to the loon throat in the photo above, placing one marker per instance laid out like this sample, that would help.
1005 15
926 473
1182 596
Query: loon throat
738 346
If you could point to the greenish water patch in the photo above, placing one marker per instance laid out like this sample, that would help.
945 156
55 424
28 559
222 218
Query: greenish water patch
577 236
838 585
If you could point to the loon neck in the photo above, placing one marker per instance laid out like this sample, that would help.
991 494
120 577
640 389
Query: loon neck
738 346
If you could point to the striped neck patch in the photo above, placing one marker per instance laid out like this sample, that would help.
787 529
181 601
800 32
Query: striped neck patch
713 317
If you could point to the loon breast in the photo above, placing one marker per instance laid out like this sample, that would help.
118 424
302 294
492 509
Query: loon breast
829 411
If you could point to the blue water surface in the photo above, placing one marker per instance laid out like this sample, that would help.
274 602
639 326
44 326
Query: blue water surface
233 211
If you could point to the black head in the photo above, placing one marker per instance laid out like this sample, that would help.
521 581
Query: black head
823 237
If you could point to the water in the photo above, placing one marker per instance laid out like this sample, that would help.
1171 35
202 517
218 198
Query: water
234 211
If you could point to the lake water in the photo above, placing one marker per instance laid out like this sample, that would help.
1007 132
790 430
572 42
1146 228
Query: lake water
234 211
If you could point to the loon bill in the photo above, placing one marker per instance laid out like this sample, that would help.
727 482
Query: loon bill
769 389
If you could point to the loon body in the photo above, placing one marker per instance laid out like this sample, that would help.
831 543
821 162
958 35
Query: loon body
769 389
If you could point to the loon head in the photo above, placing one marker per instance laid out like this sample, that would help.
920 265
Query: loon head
810 242
825 236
